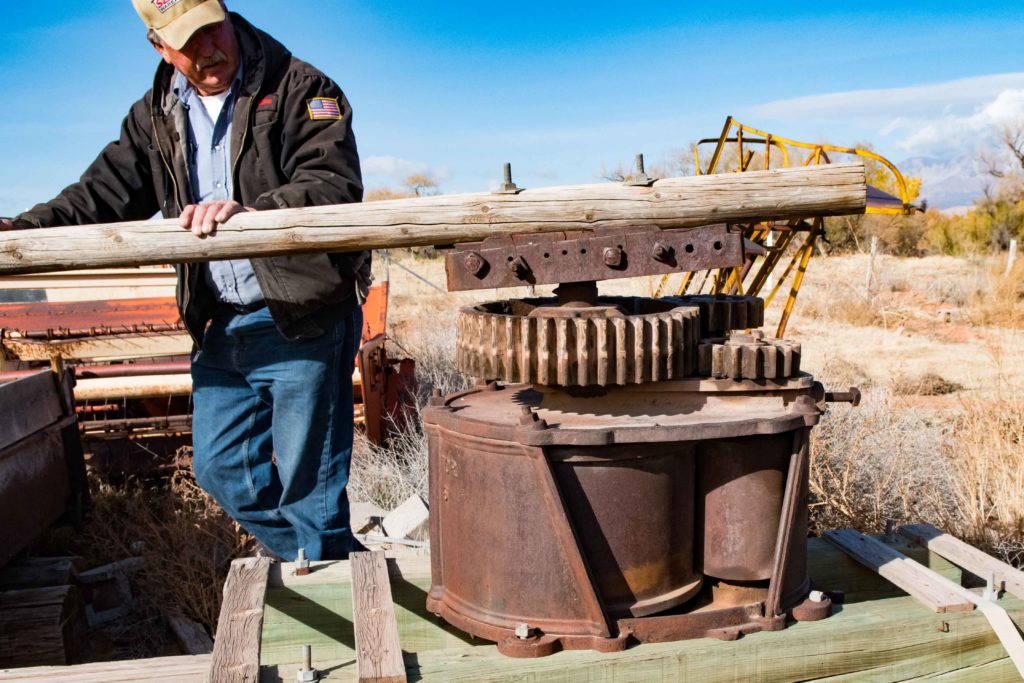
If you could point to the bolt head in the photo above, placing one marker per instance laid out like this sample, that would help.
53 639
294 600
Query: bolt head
662 252
612 256
310 676
519 267
523 631
474 263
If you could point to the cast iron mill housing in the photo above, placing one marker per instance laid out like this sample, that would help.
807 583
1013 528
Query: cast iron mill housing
626 470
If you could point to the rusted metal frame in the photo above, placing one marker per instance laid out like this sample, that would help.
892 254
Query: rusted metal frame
97 331
734 285
597 256
798 279
798 462
770 261
570 542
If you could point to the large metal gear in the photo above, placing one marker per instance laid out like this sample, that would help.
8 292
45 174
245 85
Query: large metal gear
720 313
749 356
618 341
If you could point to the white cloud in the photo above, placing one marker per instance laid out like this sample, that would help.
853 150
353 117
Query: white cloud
886 105
949 134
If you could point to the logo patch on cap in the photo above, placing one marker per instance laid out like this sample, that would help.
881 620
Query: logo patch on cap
164 5
323 109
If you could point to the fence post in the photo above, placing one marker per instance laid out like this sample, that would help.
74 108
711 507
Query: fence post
871 264
1012 256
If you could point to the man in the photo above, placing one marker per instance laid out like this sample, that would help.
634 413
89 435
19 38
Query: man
235 123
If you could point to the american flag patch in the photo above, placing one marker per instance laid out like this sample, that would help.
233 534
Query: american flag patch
323 109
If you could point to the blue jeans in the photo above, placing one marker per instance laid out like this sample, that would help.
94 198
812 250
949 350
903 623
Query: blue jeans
272 430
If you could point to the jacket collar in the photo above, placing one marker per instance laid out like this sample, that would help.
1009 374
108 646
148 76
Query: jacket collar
260 53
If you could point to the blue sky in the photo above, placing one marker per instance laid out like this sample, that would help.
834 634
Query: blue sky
561 90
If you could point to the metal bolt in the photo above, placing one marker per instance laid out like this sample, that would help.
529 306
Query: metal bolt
523 631
992 588
890 535
640 164
436 399
943 627
817 596
519 267
474 263
528 418
307 673
508 187
663 252
612 257
301 563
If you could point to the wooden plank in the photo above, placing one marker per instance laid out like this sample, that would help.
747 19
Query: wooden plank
236 649
932 590
831 569
34 488
669 203
41 572
100 348
28 405
39 625
967 556
892 639
185 669
378 653
191 636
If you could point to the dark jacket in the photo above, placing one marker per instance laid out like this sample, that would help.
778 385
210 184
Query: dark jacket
281 158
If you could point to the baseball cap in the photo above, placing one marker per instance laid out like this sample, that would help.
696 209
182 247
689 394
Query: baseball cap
176 20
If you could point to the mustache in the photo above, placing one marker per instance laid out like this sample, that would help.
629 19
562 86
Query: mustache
216 58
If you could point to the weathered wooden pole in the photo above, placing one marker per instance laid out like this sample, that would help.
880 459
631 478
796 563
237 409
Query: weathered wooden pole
446 219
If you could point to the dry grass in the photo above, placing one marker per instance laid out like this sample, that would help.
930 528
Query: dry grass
186 541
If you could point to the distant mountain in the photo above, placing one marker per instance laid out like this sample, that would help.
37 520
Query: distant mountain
948 183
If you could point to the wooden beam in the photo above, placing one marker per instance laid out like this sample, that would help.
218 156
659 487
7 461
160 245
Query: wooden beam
185 669
967 556
39 625
236 648
378 654
115 346
932 590
445 219
27 405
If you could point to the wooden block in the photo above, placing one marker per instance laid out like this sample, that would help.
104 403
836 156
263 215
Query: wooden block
378 653
39 625
932 590
236 649
967 556
34 488
101 347
191 636
41 572
28 405
408 520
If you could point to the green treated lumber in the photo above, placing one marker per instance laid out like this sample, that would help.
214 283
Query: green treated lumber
831 569
892 639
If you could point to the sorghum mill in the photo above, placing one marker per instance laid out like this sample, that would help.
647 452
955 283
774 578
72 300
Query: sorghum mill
625 469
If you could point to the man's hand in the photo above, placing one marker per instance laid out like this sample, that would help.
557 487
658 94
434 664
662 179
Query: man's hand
203 219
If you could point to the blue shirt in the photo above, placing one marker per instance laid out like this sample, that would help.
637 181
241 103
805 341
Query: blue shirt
209 168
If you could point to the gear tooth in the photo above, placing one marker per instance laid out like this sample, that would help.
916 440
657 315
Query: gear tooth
771 361
797 352
621 344
583 357
601 351
544 340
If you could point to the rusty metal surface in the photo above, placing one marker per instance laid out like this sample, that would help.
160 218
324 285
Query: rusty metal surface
618 340
560 257
599 543
45 320
749 356
665 411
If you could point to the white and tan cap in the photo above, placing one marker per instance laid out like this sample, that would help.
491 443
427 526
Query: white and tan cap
176 20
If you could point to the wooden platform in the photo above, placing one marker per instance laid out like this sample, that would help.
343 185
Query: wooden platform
880 634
